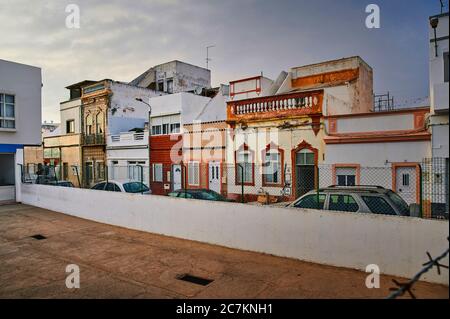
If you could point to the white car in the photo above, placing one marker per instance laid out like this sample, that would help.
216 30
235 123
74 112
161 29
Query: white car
125 186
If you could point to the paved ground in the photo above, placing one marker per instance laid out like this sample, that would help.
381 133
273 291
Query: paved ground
120 263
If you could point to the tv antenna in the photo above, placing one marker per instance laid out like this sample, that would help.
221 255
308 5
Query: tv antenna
207 55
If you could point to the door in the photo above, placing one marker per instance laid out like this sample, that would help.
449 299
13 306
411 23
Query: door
305 171
176 177
406 184
214 176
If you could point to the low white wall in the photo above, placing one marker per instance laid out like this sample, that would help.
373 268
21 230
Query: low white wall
398 245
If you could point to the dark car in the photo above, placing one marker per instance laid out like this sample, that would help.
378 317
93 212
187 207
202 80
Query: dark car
203 194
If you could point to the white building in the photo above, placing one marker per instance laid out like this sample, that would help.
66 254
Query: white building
128 155
20 122
174 77
439 76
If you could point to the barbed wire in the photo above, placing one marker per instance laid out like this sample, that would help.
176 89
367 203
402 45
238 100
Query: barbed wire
407 287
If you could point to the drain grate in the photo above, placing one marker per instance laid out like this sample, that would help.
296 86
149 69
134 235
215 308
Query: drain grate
195 280
39 237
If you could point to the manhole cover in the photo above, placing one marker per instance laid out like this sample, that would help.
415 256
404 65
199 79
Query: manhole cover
39 237
195 280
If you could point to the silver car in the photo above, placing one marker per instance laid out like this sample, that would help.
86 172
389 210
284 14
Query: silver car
357 199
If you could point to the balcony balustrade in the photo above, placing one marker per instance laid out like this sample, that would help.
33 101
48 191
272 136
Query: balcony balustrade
94 139
276 106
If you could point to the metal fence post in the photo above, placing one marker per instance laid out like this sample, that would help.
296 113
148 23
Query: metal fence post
420 191
242 182
317 187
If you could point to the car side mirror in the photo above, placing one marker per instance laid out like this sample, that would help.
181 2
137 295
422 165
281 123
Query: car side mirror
414 210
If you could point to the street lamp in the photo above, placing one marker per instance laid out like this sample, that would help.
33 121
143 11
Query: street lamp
149 133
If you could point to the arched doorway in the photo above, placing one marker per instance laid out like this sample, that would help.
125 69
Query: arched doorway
304 166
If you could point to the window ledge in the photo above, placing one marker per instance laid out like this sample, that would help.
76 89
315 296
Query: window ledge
12 130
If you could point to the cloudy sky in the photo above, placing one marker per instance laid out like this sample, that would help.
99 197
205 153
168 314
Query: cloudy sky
120 39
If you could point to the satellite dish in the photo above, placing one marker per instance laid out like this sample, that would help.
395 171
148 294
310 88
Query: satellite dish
198 90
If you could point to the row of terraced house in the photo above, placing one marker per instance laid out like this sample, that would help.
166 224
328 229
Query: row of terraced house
255 135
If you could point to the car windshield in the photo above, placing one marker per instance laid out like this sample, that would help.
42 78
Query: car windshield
135 187
401 205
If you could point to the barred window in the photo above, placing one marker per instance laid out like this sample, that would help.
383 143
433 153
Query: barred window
346 176
244 169
272 168
194 173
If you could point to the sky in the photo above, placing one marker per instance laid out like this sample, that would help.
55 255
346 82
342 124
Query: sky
121 39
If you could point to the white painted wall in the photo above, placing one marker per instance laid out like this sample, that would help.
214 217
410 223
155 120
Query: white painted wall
374 123
377 154
129 112
398 245
70 110
24 82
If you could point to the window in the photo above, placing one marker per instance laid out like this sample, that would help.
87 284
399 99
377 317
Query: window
70 126
346 176
194 173
305 157
89 123
343 203
175 128
135 170
157 172
272 168
405 179
99 187
99 123
7 111
156 130
100 170
244 168
165 128
111 187
135 187
378 205
166 125
310 201
446 67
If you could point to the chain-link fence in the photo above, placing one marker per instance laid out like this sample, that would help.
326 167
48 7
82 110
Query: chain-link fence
423 185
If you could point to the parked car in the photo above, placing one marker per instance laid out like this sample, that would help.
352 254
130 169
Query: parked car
63 184
45 180
203 194
357 199
125 186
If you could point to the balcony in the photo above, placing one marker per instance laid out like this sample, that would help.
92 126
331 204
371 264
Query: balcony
94 139
128 139
275 107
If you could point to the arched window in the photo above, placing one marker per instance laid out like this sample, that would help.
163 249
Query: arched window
305 157
99 123
89 123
